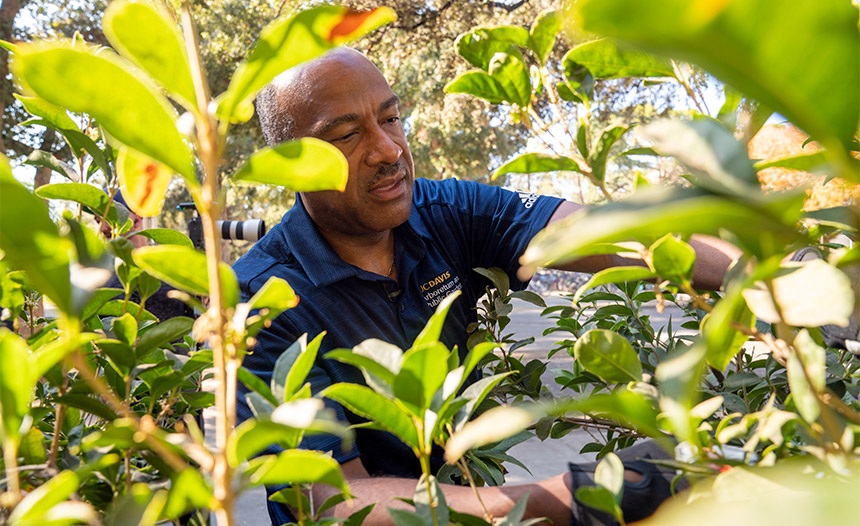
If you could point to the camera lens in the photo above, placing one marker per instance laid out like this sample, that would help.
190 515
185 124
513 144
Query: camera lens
250 230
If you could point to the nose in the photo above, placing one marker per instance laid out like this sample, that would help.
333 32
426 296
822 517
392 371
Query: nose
383 149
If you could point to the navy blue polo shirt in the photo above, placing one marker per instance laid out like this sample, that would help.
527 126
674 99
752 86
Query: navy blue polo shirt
454 227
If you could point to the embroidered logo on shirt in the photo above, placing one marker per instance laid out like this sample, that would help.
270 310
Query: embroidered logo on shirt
527 198
436 289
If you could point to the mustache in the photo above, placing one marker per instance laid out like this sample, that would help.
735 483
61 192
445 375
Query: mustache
388 170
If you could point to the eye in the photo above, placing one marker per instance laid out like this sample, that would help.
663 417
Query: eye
393 120
344 138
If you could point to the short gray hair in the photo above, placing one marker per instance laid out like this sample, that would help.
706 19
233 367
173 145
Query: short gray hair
276 122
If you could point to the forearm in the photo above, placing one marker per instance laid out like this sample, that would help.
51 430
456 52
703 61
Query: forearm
549 498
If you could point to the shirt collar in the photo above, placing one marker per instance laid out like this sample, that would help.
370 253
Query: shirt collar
322 264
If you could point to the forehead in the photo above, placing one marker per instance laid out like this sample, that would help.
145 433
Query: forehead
337 86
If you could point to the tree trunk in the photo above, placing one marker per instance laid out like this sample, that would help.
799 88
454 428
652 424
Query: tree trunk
43 175
8 11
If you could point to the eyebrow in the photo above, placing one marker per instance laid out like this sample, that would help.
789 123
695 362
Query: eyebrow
326 127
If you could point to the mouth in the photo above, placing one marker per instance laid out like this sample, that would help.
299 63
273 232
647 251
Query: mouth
390 187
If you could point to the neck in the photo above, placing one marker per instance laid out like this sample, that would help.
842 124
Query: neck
373 253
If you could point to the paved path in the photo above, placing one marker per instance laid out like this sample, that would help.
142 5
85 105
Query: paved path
544 459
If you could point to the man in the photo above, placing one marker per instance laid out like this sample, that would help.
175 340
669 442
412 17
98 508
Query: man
375 260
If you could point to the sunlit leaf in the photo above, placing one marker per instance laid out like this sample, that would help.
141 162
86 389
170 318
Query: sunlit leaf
365 402
433 329
806 375
166 236
494 425
15 389
191 276
289 41
600 150
673 259
713 155
801 62
32 243
613 275
479 45
543 32
829 301
148 37
480 84
608 355
297 466
606 60
421 374
101 85
303 165
723 340
144 180
537 163
88 195
511 73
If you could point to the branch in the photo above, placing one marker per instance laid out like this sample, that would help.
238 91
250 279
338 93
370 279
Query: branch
507 7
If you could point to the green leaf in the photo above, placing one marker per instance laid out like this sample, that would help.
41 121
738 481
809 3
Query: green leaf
32 447
475 394
606 60
377 376
537 163
191 276
543 32
255 384
125 328
652 212
718 161
302 366
610 475
807 162
32 243
722 339
673 259
303 165
801 62
479 45
44 505
613 275
47 160
608 355
253 436
149 38
297 466
679 378
530 297
406 518
166 331
624 407
492 426
276 294
86 194
289 41
87 403
512 75
55 115
102 86
365 402
830 299
498 277
480 84
430 501
422 373
188 491
806 375
599 498
577 78
166 236
515 516
600 150
431 332
15 389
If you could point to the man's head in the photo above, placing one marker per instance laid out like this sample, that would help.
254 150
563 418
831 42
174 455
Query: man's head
342 98
136 224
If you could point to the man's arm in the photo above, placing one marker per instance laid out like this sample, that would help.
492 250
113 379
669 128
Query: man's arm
713 255
548 498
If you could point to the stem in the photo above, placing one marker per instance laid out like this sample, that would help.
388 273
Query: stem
58 423
207 203
468 474
10 462
425 468
300 512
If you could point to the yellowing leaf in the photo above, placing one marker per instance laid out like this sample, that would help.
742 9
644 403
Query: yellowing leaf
352 24
145 181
